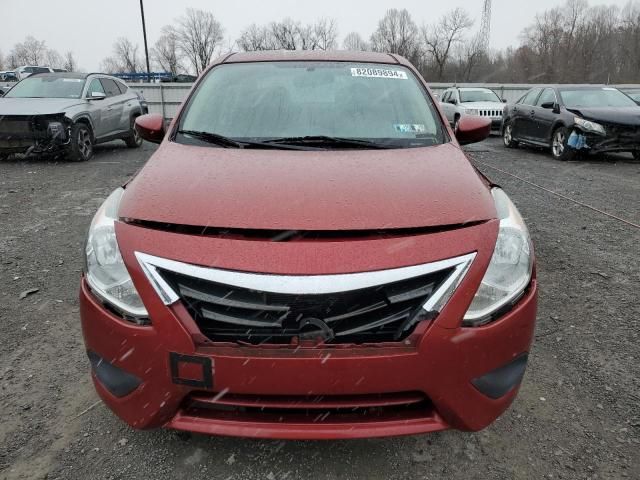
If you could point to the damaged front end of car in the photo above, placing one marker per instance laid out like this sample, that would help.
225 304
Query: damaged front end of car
34 134
592 137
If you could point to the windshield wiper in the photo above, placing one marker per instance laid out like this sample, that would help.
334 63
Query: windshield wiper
323 140
227 142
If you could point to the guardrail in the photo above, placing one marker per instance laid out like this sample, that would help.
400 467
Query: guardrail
165 98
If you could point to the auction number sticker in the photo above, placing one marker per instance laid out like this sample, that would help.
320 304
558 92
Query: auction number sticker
379 73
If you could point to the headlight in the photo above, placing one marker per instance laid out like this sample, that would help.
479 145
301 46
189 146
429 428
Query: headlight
588 126
510 269
105 270
472 111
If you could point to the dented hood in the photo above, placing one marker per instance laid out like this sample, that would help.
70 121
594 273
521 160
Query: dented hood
629 116
36 106
308 190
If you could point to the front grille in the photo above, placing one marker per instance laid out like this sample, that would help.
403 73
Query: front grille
384 313
623 132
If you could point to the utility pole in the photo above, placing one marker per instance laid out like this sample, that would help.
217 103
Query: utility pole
146 48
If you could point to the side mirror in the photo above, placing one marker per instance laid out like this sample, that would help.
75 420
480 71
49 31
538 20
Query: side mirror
453 101
473 129
504 100
151 127
551 106
97 96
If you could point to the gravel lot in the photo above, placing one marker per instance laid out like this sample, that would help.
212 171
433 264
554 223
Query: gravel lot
577 416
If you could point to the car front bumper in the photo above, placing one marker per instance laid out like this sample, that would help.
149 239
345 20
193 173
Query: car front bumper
168 375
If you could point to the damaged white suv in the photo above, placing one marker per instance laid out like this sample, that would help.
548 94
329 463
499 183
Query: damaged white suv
67 113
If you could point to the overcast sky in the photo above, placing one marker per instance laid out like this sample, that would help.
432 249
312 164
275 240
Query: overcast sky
89 28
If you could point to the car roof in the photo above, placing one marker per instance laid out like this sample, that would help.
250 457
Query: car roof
313 56
61 75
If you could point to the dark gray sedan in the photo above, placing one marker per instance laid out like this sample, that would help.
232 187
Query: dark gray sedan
67 113
571 119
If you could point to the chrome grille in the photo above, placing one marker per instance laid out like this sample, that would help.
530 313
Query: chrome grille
386 313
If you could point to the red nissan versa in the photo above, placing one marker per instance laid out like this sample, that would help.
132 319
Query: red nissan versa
309 255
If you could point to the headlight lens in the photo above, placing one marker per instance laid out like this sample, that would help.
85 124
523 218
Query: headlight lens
106 272
472 111
510 269
589 126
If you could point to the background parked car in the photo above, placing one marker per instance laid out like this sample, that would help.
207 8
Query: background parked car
483 102
25 71
67 112
569 119
7 80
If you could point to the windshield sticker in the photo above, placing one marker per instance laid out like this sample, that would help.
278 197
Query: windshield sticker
379 73
73 80
610 89
410 128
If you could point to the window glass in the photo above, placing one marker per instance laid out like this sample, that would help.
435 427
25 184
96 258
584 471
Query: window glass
274 100
110 87
479 96
446 95
121 86
40 70
530 98
95 86
596 97
47 86
548 96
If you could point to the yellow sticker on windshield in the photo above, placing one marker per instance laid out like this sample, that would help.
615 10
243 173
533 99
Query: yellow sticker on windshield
379 73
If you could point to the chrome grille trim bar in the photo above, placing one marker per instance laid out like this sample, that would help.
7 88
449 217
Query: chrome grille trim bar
306 284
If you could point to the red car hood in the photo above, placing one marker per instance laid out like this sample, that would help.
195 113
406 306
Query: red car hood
308 190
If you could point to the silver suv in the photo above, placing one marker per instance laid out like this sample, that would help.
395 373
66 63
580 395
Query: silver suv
67 113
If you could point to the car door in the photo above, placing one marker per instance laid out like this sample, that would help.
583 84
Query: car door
113 107
446 106
96 107
523 113
544 118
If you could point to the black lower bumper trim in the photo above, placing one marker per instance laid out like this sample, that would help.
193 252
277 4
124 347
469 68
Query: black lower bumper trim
117 381
498 383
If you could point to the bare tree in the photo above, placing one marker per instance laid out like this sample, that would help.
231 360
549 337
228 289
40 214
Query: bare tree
325 32
440 39
54 59
30 52
396 33
286 34
125 58
198 35
70 64
2 61
166 52
355 43
255 38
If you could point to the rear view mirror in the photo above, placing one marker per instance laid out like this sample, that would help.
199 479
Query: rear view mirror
473 129
151 127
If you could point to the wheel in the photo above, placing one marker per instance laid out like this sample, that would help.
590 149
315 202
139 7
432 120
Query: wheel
134 140
559 147
81 146
507 136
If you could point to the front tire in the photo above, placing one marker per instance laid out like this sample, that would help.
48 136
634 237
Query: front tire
507 136
81 147
134 140
560 148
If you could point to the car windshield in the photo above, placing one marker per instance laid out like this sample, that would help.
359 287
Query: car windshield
47 87
594 98
377 104
467 96
635 94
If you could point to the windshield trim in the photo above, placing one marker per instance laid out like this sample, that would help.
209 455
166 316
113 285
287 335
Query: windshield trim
429 98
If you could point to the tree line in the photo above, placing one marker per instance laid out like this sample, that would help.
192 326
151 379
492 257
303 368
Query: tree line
35 52
574 42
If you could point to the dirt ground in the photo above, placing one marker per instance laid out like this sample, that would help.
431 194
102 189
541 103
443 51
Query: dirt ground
577 416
